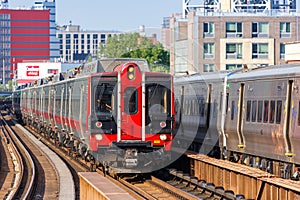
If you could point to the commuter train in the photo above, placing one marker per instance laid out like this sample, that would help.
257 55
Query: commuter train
113 112
247 115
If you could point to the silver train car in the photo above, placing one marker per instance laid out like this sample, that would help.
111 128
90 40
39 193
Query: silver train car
251 116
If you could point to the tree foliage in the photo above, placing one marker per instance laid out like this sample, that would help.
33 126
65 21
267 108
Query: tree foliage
133 46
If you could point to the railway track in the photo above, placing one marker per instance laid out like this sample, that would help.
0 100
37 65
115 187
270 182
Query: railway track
35 177
176 186
141 187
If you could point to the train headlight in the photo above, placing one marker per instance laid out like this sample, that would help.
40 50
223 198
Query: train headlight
162 124
131 69
99 137
131 72
130 76
163 137
98 124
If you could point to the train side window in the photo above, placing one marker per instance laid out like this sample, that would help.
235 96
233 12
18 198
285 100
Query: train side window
193 107
131 101
214 109
254 109
266 111
202 107
259 111
278 112
248 111
232 110
272 111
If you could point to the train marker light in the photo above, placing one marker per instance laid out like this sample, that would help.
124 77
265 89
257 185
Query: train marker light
163 137
98 124
162 124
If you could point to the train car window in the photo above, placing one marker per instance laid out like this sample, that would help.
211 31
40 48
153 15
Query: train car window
197 105
202 108
272 112
278 112
76 99
194 107
266 111
214 109
46 99
232 110
189 106
131 101
254 110
248 111
259 111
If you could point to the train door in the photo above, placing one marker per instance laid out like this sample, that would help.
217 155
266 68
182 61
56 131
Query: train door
131 103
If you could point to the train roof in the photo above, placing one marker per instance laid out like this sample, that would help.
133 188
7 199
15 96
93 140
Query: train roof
97 66
202 77
275 71
108 65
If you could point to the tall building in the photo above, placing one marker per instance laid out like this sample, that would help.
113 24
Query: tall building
165 31
224 34
26 35
76 44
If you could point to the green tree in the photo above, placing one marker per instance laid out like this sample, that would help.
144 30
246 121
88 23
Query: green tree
133 46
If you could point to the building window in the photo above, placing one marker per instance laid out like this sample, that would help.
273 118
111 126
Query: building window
208 29
102 38
209 50
260 50
233 66
285 29
233 50
234 29
282 51
208 68
260 29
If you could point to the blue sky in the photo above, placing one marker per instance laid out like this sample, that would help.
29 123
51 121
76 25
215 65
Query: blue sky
123 15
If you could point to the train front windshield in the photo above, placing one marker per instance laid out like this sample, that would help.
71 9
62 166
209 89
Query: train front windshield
158 98
103 103
158 105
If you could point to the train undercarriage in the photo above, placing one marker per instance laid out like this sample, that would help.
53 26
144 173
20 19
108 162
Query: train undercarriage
123 157
286 170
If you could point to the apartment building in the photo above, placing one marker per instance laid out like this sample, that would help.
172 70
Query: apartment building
223 38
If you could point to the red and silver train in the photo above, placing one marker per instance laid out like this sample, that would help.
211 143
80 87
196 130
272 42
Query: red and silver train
248 116
111 111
